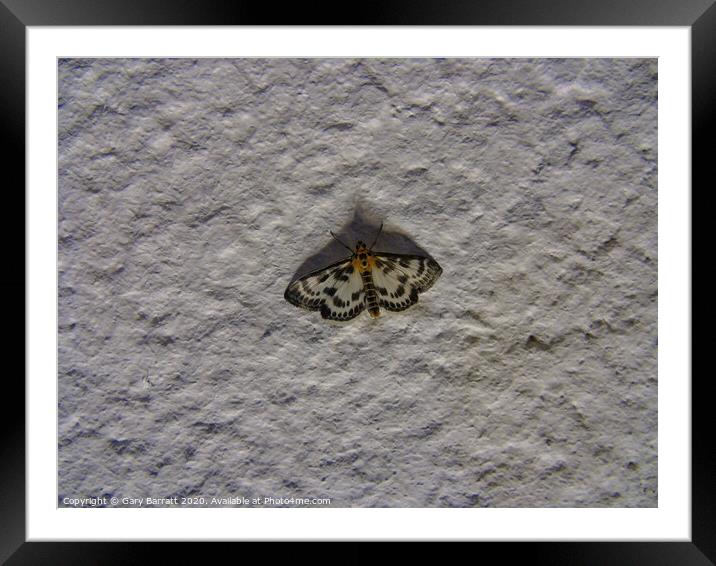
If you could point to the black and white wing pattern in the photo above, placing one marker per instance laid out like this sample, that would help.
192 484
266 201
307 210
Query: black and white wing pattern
399 278
336 291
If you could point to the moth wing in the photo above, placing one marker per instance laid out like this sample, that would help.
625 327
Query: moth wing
399 278
336 291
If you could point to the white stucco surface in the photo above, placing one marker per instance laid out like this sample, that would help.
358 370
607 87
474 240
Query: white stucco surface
192 191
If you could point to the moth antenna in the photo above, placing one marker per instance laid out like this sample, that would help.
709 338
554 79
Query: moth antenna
341 243
376 236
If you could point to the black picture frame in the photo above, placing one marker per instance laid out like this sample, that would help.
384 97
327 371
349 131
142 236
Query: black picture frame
17 15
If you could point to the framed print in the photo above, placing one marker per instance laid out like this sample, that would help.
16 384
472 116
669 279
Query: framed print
501 354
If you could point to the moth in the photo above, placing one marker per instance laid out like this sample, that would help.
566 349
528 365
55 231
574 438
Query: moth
366 280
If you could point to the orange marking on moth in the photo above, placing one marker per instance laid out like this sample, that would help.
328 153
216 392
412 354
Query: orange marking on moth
363 265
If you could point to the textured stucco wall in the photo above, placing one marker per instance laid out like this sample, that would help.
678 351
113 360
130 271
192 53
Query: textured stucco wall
192 191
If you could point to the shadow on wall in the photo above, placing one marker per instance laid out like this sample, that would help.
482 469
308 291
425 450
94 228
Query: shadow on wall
363 226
